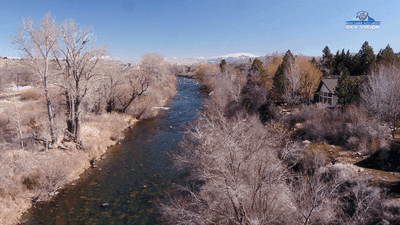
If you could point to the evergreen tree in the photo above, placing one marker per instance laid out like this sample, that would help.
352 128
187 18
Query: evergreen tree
314 62
367 58
327 61
347 89
347 61
280 79
339 62
387 56
258 66
222 65
355 68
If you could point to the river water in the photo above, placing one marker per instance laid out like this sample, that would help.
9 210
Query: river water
121 189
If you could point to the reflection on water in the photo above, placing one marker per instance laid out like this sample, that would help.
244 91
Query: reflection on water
122 188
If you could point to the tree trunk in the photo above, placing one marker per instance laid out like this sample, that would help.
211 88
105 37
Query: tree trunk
71 126
18 123
50 111
77 130
127 105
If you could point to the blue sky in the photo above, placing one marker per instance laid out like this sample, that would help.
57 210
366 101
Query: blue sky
190 29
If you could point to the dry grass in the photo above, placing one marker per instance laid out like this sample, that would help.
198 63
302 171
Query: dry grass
100 132
28 173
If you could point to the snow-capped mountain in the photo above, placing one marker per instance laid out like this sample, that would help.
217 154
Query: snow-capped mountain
237 57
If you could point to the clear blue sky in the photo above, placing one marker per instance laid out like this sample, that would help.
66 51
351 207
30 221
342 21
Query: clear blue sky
185 29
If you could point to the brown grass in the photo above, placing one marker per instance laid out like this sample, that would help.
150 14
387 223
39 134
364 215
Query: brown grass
29 173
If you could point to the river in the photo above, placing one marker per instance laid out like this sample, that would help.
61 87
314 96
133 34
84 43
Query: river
124 185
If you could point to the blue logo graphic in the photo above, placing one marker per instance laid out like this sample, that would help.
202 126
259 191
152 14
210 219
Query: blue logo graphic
363 18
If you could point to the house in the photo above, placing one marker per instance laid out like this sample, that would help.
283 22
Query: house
326 90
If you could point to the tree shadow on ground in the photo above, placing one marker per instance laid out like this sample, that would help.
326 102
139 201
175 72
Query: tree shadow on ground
383 159
392 188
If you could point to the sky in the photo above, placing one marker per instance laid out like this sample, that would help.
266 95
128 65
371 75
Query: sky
193 29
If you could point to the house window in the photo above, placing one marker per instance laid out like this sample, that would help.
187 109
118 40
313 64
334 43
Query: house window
326 98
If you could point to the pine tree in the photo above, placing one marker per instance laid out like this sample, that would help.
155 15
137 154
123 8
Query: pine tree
387 56
347 89
280 79
327 60
347 61
339 62
367 58
258 66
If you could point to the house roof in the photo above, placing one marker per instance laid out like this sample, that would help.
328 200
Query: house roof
330 84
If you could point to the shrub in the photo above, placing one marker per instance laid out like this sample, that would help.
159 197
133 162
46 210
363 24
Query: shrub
312 160
31 182
350 127
238 162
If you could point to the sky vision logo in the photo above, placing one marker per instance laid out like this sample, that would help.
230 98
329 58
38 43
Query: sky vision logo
363 21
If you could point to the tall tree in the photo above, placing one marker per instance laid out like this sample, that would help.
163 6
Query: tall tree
327 61
347 61
337 63
155 66
293 74
381 95
387 56
38 42
303 79
311 78
367 58
355 65
340 62
280 79
77 62
347 89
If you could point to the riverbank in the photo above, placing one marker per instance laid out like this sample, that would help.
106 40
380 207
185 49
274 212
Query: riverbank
33 174
124 186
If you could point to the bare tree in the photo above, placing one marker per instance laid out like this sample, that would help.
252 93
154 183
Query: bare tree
303 79
139 83
155 67
38 41
77 62
113 79
381 95
237 162
313 192
294 75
